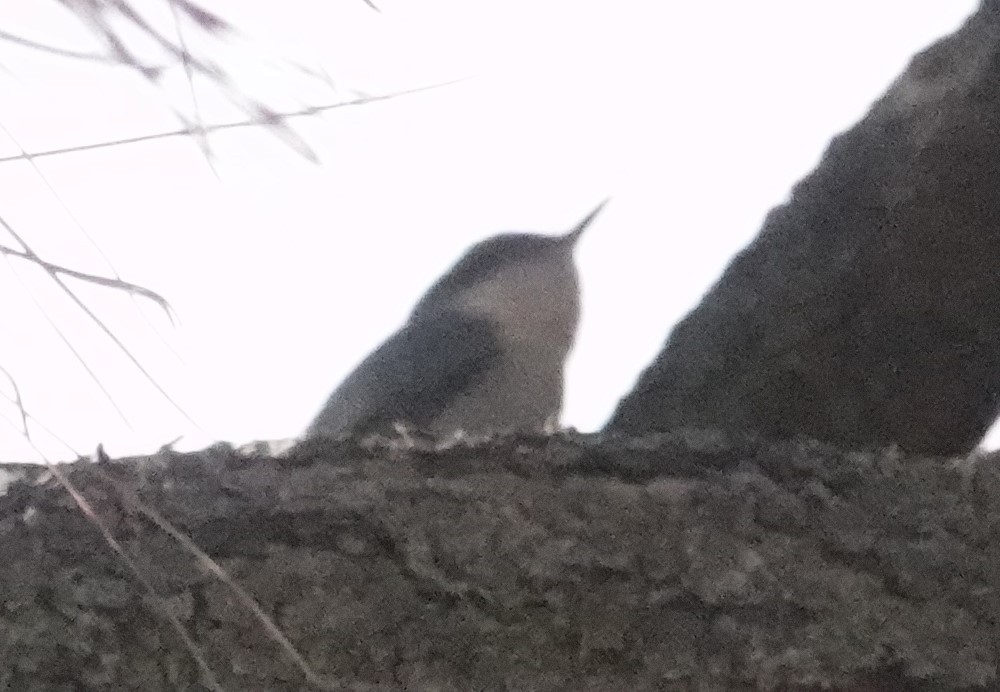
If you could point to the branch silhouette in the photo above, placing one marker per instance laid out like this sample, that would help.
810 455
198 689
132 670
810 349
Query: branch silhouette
263 119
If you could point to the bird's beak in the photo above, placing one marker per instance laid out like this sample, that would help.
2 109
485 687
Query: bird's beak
573 236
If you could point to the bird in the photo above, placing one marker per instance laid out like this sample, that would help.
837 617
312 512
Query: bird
483 352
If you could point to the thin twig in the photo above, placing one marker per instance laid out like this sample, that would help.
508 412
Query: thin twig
56 272
206 20
17 401
91 515
118 342
26 415
53 268
37 422
103 19
192 64
69 344
55 50
62 204
130 497
116 283
175 51
131 289
251 122
200 135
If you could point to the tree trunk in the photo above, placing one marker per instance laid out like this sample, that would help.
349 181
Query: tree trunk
866 311
565 563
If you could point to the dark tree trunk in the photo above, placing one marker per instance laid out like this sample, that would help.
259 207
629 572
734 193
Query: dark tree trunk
867 311
673 563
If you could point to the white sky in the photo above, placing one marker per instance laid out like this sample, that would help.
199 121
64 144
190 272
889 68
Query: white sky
696 117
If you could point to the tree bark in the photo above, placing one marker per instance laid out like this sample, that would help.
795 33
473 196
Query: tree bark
565 563
865 312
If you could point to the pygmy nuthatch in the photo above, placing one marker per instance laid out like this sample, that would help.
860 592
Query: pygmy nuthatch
482 352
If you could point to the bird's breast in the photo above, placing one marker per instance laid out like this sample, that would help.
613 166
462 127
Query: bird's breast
523 391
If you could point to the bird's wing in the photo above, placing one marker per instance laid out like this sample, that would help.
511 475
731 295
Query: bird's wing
413 376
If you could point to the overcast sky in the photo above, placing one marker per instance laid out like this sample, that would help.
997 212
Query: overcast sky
695 117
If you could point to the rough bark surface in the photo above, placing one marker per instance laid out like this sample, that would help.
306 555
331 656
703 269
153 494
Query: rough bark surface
865 314
562 563
866 311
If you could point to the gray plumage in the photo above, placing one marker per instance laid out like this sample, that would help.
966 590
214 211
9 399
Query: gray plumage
483 350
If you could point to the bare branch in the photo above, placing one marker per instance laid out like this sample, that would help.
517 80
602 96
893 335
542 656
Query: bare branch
98 15
176 51
57 269
208 21
69 344
111 335
69 212
56 272
117 282
55 50
200 134
17 401
26 415
266 119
